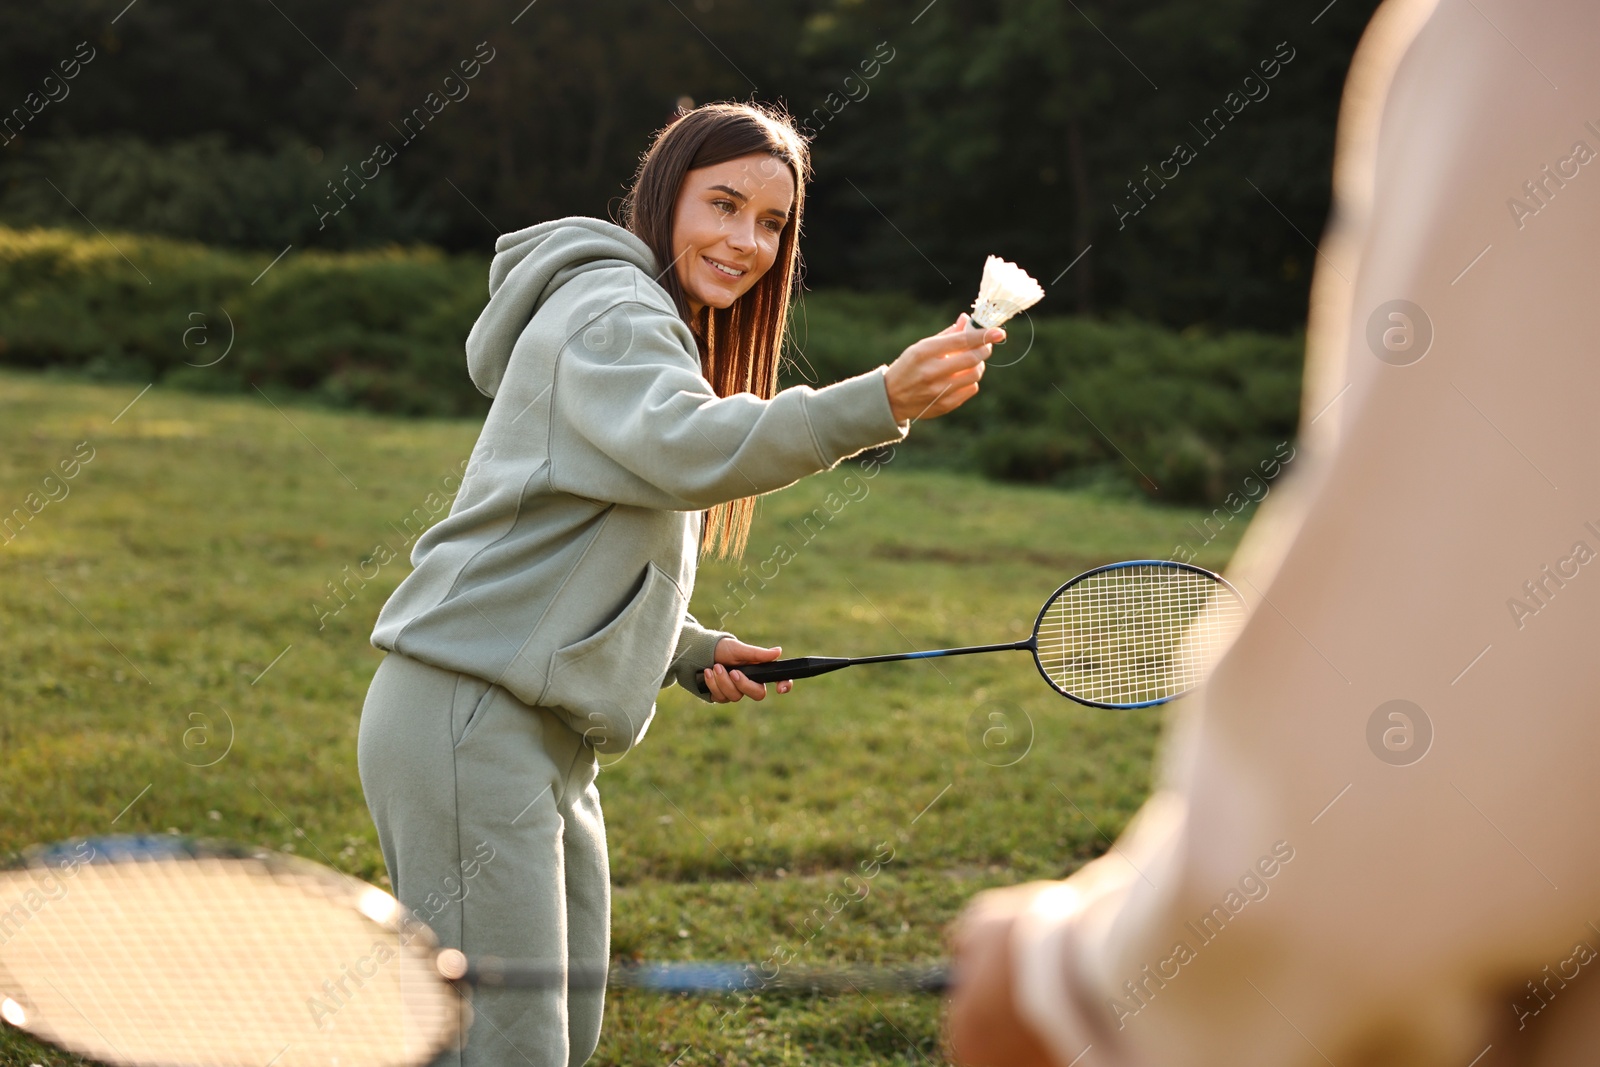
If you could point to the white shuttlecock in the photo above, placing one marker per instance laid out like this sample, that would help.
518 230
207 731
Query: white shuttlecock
1005 290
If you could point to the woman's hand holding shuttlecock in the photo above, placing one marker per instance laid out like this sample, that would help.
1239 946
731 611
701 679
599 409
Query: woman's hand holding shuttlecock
940 373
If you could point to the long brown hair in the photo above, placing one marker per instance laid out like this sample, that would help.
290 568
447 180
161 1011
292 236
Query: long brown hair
740 345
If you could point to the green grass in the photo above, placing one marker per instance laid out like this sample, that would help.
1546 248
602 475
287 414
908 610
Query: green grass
141 610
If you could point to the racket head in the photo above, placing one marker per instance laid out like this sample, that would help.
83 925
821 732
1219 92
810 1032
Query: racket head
181 951
1135 634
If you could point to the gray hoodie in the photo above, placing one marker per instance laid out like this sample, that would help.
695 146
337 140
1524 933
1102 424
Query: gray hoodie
564 568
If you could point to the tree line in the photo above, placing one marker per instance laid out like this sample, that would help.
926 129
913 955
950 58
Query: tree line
1165 160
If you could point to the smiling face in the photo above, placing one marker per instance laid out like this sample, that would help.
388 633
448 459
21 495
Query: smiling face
726 227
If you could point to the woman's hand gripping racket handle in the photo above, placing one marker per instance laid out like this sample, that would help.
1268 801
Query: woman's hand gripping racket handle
780 670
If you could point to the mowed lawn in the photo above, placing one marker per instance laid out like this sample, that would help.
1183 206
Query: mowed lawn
174 661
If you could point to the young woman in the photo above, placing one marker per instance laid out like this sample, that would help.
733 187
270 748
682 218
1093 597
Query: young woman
635 419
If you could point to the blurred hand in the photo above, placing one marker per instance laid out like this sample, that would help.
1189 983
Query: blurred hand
728 685
984 1028
938 374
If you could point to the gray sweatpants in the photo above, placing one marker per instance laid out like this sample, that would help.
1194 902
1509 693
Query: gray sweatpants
490 825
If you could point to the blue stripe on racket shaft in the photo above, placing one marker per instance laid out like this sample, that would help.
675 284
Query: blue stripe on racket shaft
693 977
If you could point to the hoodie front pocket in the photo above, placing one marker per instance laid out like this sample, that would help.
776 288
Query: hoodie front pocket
473 696
605 685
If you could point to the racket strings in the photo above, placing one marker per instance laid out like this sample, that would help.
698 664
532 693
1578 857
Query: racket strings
1136 634
212 961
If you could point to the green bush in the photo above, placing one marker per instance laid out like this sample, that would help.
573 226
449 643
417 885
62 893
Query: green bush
1068 401
1182 417
381 330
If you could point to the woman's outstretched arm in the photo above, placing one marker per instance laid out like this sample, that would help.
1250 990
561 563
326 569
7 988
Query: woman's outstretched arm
634 421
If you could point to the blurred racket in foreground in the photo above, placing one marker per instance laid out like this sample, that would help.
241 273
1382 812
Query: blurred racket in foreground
185 953
1126 635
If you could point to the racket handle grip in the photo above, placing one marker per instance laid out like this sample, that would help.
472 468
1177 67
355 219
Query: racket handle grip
781 669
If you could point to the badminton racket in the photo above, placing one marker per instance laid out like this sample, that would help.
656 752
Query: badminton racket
180 952
1125 635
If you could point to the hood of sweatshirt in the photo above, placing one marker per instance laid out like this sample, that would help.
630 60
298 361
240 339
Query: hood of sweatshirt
528 266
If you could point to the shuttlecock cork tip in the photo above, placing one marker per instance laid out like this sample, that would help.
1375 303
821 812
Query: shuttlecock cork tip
1005 290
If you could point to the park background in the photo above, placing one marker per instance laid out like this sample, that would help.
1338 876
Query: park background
265 372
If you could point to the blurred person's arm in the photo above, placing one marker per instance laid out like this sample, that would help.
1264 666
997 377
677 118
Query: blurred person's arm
984 1025
1316 880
